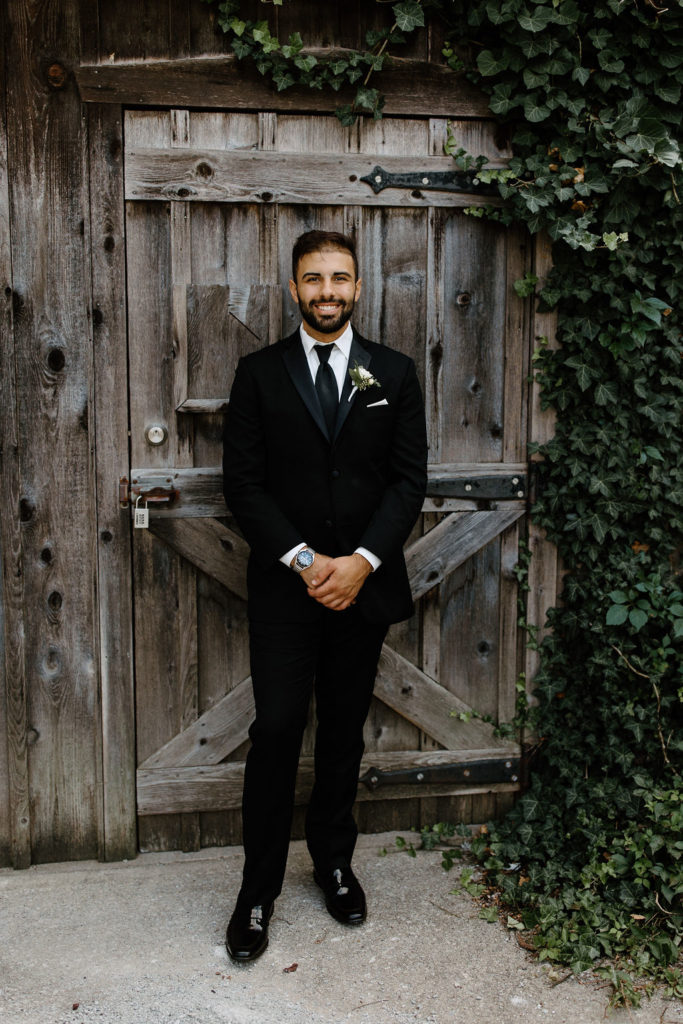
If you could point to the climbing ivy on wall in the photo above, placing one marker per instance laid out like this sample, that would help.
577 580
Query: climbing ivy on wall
590 861
592 94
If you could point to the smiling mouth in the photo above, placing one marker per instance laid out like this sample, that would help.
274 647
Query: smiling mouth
328 307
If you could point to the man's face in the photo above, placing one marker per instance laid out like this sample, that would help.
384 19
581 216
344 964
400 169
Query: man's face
326 291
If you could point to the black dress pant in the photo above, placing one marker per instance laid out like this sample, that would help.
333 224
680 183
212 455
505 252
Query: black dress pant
336 657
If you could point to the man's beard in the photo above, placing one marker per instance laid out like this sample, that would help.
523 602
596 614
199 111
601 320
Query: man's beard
330 324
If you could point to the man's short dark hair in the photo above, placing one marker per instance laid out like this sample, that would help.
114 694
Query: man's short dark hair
317 241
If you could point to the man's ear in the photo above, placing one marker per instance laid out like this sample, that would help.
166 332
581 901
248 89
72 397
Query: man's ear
293 292
359 282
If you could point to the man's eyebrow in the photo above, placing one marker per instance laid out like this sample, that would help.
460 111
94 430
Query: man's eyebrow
335 273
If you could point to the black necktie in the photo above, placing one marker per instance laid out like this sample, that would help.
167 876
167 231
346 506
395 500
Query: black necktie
326 386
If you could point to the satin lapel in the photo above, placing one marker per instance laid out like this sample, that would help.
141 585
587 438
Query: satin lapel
297 365
358 356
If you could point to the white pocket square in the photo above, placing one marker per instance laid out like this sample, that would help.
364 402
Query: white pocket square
373 405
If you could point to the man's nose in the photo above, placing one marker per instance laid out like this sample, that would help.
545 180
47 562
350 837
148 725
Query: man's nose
327 289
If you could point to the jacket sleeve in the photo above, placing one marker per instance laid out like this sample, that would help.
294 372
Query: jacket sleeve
401 502
268 531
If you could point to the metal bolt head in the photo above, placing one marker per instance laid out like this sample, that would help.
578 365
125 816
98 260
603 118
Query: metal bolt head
420 776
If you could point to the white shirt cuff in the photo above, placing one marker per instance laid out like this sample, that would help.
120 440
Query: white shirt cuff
374 561
287 559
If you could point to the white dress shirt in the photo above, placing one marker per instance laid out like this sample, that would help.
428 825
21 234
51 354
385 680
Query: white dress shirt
339 362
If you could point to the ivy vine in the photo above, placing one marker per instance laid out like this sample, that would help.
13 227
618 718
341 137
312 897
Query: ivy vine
590 860
286 64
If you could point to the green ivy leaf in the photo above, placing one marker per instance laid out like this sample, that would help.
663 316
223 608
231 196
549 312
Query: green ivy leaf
535 109
616 615
606 392
408 15
537 20
637 617
489 65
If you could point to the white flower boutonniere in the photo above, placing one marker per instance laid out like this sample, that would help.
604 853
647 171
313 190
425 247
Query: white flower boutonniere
362 379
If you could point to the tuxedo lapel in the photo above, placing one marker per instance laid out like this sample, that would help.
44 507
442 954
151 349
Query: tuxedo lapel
297 366
358 356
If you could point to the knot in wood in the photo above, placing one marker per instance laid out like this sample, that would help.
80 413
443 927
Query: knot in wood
464 299
56 76
204 170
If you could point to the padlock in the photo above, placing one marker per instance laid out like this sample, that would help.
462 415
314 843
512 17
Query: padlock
141 515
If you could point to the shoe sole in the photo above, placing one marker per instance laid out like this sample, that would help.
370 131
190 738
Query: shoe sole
247 958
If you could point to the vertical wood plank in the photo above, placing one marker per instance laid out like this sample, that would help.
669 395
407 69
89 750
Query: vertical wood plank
325 24
47 147
474 340
544 570
181 453
431 662
517 355
227 245
89 17
107 231
511 641
470 625
15 834
135 30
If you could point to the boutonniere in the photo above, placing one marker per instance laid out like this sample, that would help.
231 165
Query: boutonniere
361 379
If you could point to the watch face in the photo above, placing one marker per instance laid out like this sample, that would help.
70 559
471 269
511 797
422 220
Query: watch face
305 558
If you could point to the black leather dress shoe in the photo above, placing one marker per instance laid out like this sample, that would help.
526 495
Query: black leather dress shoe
344 896
247 934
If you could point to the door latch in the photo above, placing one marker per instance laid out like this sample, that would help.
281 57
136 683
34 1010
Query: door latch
158 494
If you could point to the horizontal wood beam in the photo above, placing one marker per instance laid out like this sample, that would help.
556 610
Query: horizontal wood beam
200 490
262 177
219 787
411 87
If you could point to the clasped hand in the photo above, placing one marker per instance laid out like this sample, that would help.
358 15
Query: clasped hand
335 582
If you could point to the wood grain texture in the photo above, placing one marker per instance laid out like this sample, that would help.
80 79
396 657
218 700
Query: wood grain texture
244 177
15 842
213 736
518 316
107 232
169 790
54 379
211 547
473 360
411 87
406 689
433 557
232 245
544 568
198 492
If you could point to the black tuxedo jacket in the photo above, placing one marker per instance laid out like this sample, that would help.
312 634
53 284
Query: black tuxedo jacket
287 481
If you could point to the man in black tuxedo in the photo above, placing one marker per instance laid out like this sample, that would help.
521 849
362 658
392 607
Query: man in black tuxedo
324 462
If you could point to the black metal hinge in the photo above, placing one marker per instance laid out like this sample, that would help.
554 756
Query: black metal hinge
441 181
465 772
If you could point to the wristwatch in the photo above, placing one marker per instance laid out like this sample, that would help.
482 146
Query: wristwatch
303 559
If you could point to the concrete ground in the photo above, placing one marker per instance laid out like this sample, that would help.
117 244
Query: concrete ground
142 943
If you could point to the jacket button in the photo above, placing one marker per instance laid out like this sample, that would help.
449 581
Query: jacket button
335 474
328 523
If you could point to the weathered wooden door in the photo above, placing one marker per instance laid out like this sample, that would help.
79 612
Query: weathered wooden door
214 202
